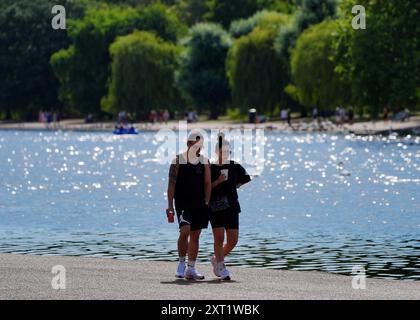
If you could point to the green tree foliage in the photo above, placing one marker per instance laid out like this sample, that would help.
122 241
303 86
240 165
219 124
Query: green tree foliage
255 71
162 21
42 68
27 40
285 6
202 70
313 71
193 11
309 12
143 72
314 11
83 69
133 3
383 61
226 11
264 19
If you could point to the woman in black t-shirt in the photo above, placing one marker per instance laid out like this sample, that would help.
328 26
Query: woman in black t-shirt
226 177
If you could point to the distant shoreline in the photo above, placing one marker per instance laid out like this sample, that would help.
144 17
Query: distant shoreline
360 128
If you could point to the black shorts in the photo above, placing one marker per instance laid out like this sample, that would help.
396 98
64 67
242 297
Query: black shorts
197 217
227 219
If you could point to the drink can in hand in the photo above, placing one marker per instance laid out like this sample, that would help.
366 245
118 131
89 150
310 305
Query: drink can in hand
225 172
170 215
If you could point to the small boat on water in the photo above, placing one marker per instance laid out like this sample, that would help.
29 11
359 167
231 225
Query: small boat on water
124 131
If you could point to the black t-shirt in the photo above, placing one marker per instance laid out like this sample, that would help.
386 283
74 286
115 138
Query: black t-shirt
189 188
237 175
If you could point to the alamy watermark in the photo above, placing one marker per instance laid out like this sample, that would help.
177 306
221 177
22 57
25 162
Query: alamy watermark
58 22
359 278
58 281
359 21
247 146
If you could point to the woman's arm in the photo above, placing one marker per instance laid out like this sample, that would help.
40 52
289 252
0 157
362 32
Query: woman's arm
243 176
221 179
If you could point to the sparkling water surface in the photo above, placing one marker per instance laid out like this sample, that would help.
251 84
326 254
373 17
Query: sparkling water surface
324 202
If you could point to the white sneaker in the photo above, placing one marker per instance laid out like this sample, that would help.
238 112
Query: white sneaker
180 272
224 273
192 274
214 264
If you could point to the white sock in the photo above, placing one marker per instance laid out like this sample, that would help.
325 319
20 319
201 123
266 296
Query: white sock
191 264
220 265
181 259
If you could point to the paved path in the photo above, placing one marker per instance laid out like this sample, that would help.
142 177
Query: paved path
29 277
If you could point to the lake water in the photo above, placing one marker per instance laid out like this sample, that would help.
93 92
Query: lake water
323 202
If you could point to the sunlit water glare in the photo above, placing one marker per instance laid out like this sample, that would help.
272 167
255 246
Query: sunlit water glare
324 202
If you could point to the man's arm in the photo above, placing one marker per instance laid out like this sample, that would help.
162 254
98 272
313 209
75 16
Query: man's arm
207 182
173 175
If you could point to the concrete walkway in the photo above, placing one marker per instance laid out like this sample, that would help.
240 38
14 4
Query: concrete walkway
30 277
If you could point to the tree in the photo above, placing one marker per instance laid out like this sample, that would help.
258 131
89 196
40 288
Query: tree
133 3
27 40
143 74
226 11
202 68
309 12
84 68
255 71
314 11
383 61
264 19
193 11
313 70
162 21
284 6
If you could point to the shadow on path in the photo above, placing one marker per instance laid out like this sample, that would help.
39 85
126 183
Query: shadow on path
183 282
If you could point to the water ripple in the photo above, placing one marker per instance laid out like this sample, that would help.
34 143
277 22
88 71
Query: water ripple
324 202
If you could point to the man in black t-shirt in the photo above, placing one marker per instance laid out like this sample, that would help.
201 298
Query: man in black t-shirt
226 177
190 186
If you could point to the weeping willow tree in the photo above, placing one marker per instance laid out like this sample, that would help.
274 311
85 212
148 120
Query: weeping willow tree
255 71
202 68
84 68
143 72
313 70
309 12
265 19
